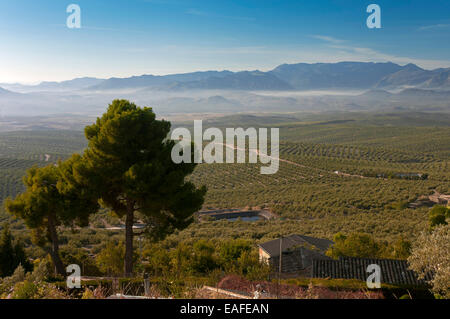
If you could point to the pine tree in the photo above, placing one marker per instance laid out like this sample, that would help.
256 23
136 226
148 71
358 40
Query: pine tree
6 252
128 159
53 197
11 256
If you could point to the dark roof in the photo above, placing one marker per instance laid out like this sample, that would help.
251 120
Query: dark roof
392 271
296 260
295 241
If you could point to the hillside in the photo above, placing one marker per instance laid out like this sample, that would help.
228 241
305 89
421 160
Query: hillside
306 192
300 76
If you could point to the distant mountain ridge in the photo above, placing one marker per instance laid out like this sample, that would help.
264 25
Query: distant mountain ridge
334 75
245 80
300 76
78 83
148 80
69 85
412 75
4 92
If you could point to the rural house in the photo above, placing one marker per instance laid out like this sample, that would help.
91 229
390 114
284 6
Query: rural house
298 252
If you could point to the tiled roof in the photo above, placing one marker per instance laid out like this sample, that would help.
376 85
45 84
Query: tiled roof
296 260
320 243
392 271
294 241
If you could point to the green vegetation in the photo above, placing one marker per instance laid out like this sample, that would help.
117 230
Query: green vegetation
111 259
11 255
438 216
430 253
340 175
31 285
364 246
128 162
21 150
53 198
204 258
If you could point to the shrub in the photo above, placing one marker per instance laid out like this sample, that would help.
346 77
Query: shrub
355 245
438 216
431 254
203 260
111 259
25 290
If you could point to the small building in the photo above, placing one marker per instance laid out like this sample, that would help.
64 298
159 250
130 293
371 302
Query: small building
298 252
440 199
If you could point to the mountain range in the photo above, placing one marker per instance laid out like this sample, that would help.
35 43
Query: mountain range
301 76
287 88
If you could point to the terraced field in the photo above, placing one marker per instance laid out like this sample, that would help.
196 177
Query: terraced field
307 192
21 150
35 145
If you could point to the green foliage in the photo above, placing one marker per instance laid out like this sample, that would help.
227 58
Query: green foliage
7 266
25 290
365 246
205 258
231 251
21 150
73 255
128 159
308 196
248 265
400 249
18 275
7 283
40 200
438 216
431 254
40 272
53 197
11 255
311 198
158 261
354 245
21 285
41 290
111 259
88 294
239 256
399 205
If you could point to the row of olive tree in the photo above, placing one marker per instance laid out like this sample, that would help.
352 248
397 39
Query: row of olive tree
127 168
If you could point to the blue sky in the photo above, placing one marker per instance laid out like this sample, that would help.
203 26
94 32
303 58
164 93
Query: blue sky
134 37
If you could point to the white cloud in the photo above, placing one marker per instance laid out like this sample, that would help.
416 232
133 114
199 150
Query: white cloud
200 13
434 27
355 53
327 39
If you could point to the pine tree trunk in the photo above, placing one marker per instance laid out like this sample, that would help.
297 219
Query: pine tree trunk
129 241
54 249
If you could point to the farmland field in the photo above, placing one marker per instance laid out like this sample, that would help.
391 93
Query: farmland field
21 150
327 184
